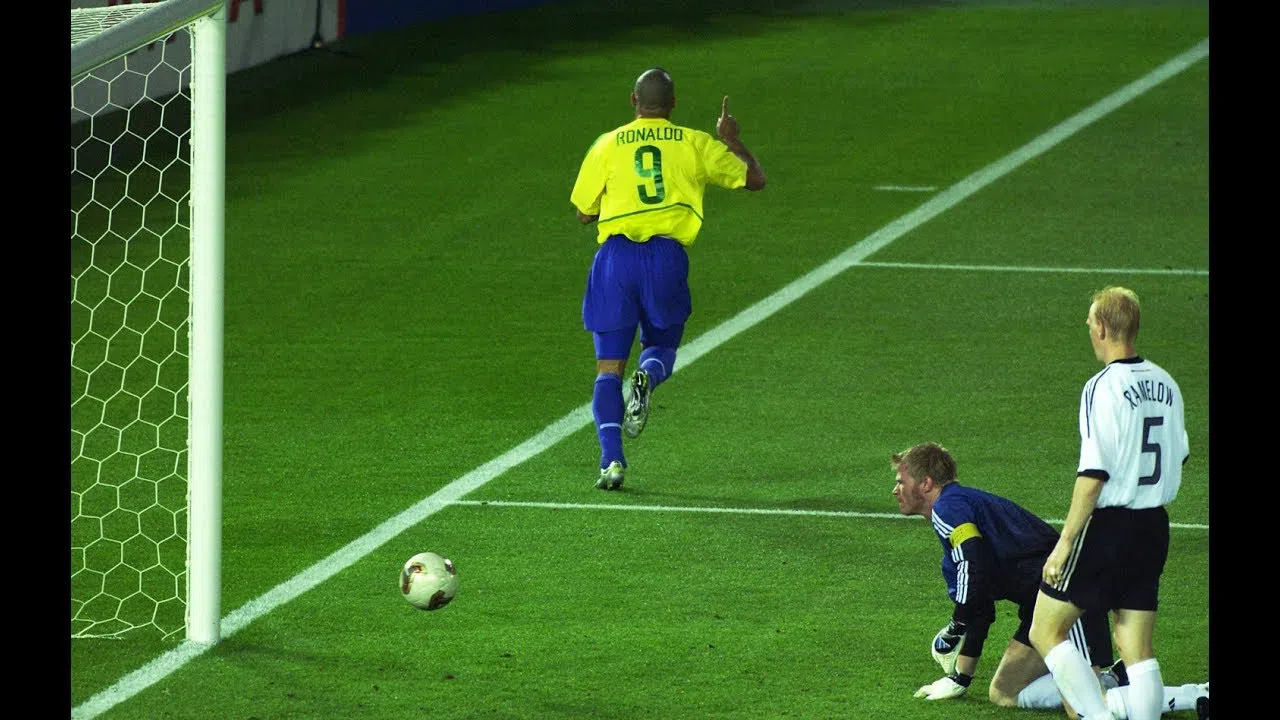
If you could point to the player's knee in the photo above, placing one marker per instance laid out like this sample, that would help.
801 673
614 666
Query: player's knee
1044 637
998 695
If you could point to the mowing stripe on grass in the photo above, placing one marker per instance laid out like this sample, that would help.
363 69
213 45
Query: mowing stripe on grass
160 668
905 188
729 511
1015 268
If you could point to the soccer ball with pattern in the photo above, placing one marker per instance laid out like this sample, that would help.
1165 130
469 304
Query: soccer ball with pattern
428 581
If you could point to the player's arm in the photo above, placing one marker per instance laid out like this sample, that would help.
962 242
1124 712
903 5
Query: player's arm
1096 423
589 187
727 128
1084 498
974 606
958 645
974 609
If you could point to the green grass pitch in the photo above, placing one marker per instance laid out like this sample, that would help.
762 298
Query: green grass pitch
403 286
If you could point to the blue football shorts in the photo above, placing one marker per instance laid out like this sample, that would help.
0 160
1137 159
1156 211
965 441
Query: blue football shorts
643 285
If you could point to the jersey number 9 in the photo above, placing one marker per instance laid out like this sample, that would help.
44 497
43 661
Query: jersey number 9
652 173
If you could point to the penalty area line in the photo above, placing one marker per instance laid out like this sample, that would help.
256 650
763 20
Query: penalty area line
728 510
168 663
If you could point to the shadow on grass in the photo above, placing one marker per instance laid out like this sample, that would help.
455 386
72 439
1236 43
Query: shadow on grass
467 55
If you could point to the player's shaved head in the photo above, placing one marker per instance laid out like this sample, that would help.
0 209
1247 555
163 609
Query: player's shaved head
655 92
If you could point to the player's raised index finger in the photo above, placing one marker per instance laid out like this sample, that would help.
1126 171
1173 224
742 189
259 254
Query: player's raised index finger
724 106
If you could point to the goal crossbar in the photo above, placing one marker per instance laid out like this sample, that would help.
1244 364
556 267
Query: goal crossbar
158 21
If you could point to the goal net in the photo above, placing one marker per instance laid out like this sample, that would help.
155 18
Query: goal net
146 164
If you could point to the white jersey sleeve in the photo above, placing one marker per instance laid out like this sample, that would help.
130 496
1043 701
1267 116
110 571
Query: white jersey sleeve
1133 434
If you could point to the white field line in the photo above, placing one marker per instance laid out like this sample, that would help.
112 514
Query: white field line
1016 268
164 665
730 511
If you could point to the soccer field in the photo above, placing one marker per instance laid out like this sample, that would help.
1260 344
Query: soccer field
406 369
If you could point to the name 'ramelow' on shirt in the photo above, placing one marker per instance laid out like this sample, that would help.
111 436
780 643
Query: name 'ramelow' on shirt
1133 434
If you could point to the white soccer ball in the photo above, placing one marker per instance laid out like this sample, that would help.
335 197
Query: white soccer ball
428 581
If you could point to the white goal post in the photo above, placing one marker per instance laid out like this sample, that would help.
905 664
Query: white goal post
147 157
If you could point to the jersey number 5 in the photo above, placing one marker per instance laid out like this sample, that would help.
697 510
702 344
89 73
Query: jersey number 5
1151 447
653 173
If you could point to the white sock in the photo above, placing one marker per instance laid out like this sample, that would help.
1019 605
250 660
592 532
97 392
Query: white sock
1077 682
1178 698
1182 697
1117 703
1146 691
1041 694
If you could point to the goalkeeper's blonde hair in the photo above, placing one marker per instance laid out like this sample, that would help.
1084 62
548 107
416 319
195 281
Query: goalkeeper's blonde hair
927 460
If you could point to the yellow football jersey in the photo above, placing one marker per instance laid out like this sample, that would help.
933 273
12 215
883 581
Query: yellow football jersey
647 178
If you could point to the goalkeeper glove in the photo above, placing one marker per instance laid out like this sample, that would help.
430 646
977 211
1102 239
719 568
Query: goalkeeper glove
947 645
946 688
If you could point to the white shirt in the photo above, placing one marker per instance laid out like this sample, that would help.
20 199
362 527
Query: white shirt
1133 434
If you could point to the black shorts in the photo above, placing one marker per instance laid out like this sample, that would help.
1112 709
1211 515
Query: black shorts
1116 562
1091 634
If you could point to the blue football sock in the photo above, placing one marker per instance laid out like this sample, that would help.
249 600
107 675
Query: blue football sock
607 406
659 362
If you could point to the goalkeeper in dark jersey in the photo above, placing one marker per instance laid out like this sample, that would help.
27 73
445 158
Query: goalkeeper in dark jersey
994 549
